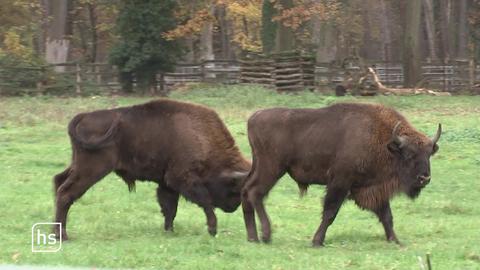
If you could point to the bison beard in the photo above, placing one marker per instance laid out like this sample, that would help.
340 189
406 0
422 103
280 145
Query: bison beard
185 148
364 152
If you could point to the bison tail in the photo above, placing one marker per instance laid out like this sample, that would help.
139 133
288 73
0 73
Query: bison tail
303 189
131 186
92 144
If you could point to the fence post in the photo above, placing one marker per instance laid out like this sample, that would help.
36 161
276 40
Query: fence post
78 81
471 74
97 70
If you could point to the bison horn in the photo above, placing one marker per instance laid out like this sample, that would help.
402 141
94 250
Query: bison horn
437 136
397 139
234 174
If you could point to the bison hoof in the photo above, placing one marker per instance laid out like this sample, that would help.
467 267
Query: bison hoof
212 231
64 236
317 244
266 239
396 242
253 239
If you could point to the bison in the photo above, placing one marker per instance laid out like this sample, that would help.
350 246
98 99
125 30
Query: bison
365 152
185 148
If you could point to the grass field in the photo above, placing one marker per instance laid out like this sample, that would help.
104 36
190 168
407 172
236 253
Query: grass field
112 228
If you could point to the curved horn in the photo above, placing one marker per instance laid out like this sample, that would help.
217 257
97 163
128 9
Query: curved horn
397 139
234 174
437 136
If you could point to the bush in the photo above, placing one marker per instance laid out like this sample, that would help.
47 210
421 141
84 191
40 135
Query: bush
18 74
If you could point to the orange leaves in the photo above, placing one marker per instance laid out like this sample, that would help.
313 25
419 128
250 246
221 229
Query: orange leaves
245 16
192 26
303 11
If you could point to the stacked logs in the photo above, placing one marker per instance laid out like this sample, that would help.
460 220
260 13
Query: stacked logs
257 69
288 71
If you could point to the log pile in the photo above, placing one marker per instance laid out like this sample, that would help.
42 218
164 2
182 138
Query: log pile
289 71
258 70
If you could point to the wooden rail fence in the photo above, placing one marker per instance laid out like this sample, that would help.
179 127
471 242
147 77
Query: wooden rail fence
283 72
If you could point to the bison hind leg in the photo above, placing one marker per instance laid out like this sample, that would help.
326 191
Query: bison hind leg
59 179
75 185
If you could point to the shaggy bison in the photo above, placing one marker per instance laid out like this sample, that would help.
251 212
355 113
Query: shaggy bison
183 147
365 152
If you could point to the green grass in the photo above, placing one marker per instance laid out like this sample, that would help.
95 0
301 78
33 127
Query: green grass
110 227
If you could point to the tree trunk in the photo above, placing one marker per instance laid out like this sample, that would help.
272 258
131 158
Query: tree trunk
411 48
462 39
445 31
59 28
92 17
385 32
324 36
430 28
206 41
285 38
269 27
206 44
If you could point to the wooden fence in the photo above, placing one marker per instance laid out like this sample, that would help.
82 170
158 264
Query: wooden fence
452 78
282 72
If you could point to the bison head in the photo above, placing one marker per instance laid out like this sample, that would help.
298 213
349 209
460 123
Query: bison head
412 160
225 190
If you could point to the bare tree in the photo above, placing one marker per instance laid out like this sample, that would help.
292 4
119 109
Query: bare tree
285 38
59 29
445 20
430 28
385 31
411 47
462 39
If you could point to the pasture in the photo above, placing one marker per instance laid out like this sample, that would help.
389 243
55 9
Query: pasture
112 228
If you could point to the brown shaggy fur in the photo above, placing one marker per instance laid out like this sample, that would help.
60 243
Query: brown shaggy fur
183 147
350 148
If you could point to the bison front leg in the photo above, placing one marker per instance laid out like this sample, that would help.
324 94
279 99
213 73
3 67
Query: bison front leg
198 193
211 220
168 200
333 202
384 214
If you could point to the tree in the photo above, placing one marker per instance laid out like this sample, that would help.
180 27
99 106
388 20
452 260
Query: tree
474 28
285 38
142 49
462 38
59 30
428 12
411 47
269 27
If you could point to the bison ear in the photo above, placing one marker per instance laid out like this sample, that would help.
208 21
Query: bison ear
397 142
395 148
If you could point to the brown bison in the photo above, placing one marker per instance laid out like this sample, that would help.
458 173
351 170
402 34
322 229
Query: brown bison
365 152
183 147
